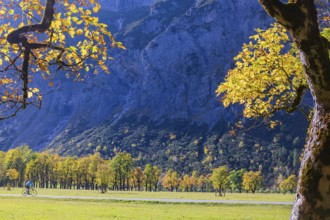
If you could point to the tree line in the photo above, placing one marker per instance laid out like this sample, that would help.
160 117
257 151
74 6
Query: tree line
119 173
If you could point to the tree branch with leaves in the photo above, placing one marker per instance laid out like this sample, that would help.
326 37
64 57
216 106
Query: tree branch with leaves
300 19
270 76
40 38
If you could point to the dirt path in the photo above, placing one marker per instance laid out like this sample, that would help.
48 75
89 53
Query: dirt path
158 200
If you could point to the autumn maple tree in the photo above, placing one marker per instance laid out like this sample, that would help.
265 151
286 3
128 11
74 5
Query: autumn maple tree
219 179
40 38
252 181
273 66
272 63
289 184
281 86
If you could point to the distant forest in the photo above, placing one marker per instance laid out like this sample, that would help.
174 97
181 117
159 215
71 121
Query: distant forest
121 173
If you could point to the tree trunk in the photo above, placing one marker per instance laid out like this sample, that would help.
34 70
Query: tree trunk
313 195
299 17
220 193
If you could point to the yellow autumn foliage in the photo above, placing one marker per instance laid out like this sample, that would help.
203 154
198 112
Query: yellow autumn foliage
72 19
267 74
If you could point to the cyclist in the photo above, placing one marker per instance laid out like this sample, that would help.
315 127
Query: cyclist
28 185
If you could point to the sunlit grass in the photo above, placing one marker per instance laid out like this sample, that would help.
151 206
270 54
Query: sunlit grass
263 197
34 208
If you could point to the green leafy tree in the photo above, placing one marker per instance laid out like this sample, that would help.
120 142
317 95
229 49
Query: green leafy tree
235 179
149 175
122 165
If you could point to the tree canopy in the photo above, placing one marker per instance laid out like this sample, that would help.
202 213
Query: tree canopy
269 74
252 181
289 184
219 179
38 38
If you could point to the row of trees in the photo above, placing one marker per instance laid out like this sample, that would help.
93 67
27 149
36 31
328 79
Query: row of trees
92 172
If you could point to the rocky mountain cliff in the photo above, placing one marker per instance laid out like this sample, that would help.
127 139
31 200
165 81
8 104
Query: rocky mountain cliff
159 100
117 5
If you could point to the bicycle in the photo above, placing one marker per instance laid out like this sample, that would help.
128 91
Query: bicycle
33 192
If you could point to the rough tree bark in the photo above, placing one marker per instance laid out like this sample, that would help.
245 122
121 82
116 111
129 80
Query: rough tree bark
299 17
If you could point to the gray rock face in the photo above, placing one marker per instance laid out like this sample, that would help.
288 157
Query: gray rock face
116 5
178 53
184 64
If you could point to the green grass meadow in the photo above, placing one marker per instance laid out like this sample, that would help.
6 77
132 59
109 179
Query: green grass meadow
32 208
265 197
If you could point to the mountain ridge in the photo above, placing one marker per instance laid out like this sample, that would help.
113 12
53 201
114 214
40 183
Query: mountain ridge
159 101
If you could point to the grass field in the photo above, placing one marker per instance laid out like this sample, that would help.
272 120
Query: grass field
266 197
34 208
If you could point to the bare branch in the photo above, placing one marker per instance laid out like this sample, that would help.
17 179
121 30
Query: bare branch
25 76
